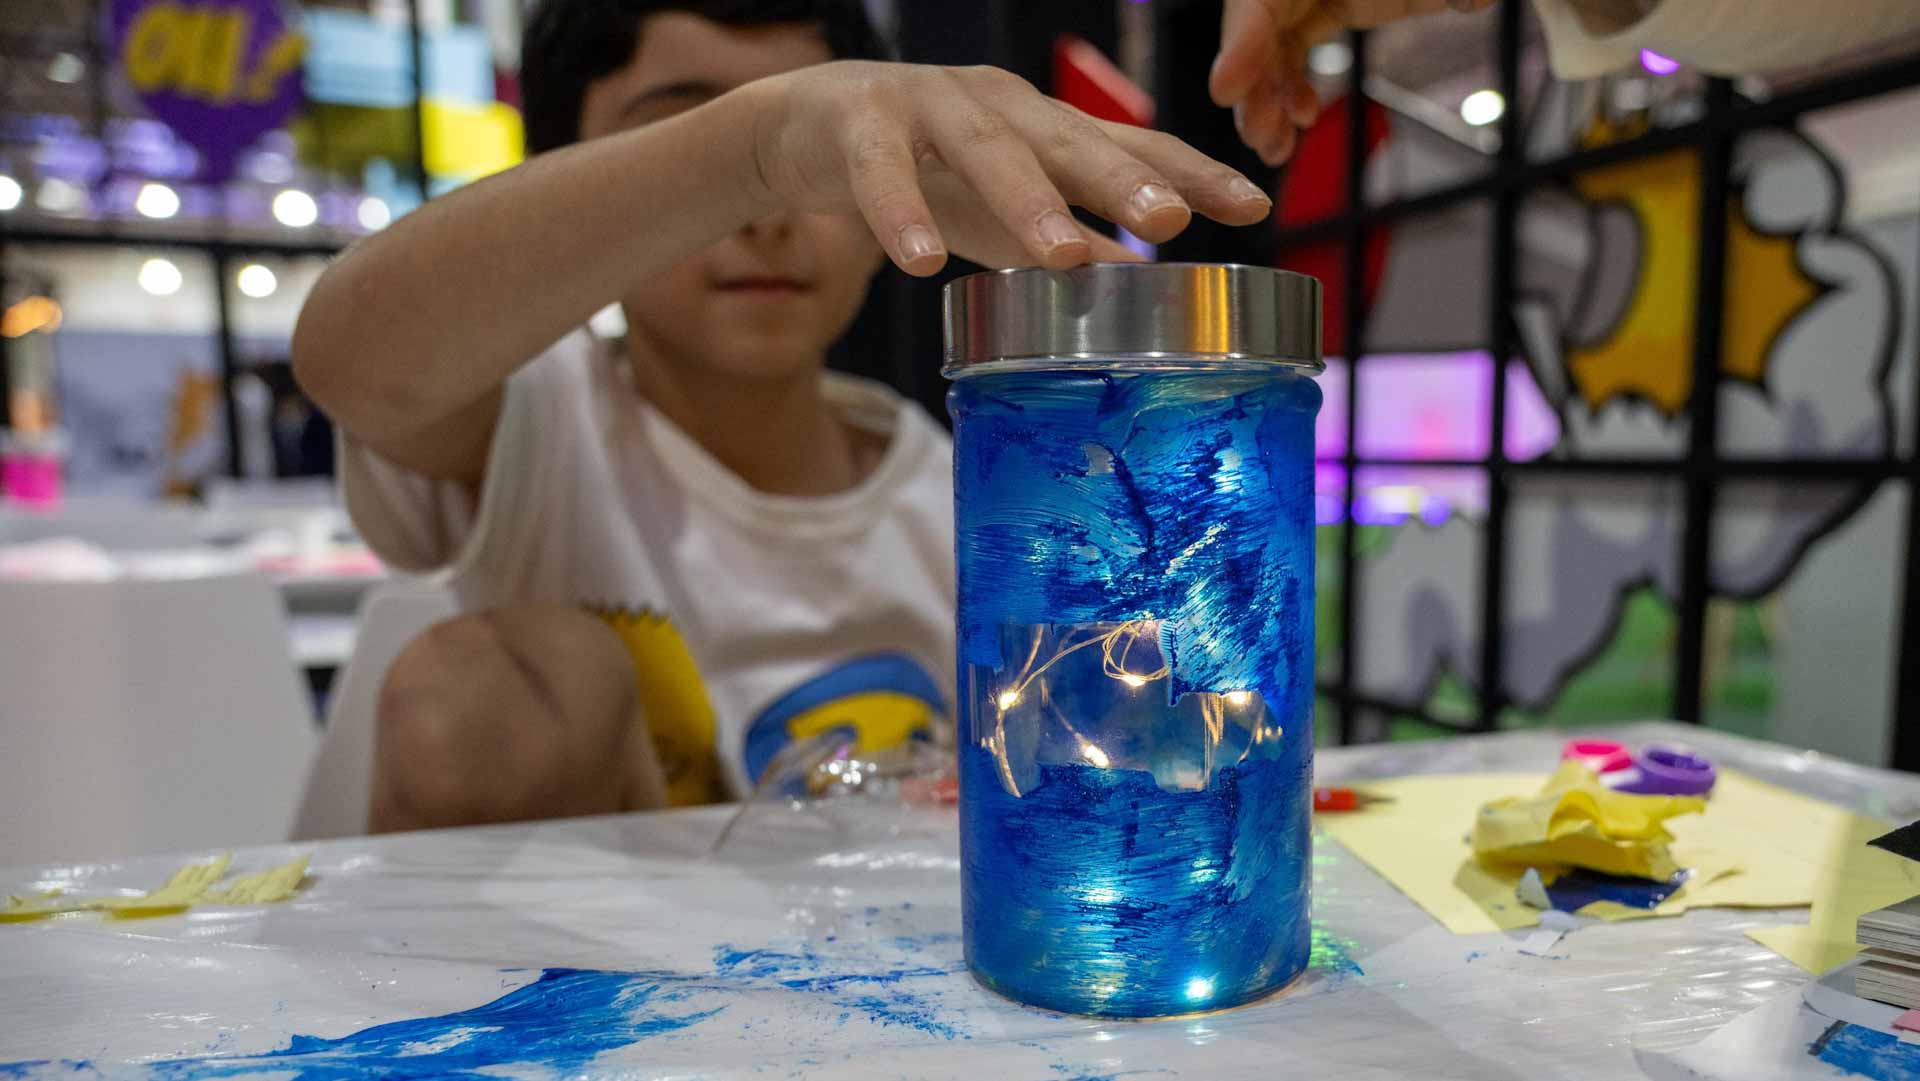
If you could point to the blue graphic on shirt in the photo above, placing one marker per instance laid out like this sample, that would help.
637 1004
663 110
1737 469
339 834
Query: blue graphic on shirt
881 699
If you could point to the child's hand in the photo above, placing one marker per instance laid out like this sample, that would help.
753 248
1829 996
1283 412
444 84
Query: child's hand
977 160
1261 71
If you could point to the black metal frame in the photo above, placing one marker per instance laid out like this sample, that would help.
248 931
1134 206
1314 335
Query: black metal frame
1511 177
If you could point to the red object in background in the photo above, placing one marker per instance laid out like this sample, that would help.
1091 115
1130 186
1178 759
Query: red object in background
1084 78
1315 187
1343 799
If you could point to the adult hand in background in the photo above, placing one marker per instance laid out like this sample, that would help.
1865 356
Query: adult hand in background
1261 72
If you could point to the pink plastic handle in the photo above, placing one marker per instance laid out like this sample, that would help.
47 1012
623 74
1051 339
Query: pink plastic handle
1600 755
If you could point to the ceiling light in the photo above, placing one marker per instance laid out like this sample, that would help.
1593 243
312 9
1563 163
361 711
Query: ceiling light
374 214
256 281
160 277
157 201
1330 58
10 192
295 209
66 68
1483 107
57 196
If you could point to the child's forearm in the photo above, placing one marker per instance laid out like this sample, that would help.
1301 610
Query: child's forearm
425 319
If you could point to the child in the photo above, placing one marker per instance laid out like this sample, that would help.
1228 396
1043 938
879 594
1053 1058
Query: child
681 550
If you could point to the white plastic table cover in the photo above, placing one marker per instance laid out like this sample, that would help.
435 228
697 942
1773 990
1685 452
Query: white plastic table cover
828 946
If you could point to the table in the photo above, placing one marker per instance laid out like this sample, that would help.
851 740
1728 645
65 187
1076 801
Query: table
824 944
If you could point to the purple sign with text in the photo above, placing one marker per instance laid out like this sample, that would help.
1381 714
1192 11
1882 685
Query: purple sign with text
220 73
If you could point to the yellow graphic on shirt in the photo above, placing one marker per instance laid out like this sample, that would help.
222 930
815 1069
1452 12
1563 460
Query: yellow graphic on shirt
881 699
673 701
1648 352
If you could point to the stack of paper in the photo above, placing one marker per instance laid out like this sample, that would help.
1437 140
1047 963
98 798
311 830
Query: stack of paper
1890 967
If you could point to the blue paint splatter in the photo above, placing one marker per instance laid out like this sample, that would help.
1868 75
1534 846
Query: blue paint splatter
1578 888
559 1022
1474 956
1869 1053
806 971
563 1020
1159 872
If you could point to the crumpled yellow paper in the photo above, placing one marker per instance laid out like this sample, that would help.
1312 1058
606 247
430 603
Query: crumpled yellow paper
1575 821
194 884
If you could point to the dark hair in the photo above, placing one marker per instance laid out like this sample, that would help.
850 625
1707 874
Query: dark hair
570 43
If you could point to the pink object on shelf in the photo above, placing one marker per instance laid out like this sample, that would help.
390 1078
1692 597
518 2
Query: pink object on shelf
1600 755
1909 1021
1655 64
30 478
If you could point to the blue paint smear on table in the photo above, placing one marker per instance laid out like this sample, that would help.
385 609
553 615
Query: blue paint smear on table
1868 1053
562 1021
1579 887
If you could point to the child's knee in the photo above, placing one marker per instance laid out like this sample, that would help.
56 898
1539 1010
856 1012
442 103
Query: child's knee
499 716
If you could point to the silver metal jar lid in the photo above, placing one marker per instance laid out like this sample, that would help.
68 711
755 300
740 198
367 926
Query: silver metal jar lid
1092 315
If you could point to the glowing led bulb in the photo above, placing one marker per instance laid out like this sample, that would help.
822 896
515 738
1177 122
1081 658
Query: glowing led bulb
1199 989
1094 755
1238 698
1132 680
1008 700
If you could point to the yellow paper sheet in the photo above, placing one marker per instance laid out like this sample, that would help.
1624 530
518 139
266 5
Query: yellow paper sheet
1756 845
194 884
1867 878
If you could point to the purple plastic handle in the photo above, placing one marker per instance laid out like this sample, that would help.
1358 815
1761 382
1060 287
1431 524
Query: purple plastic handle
1669 771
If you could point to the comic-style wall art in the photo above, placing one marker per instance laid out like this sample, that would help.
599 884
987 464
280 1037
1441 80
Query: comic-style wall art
1697 501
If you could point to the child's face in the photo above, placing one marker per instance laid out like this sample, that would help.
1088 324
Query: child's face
768 300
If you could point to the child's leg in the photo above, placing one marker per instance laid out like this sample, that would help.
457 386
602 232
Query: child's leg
515 714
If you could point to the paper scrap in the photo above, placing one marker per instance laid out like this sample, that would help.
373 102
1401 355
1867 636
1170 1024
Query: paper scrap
194 884
1756 845
1556 920
1909 1021
1859 879
1540 943
1574 821
1531 891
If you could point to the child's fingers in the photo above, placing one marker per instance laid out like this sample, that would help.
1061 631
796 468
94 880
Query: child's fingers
885 182
981 146
1211 188
1105 249
1095 172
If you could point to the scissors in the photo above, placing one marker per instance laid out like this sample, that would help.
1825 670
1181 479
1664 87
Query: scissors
1654 770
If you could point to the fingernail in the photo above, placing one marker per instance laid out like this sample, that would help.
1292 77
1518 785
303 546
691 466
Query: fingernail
917 242
1247 191
1056 230
1149 199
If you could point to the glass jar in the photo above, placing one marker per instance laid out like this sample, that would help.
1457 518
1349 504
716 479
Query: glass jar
1133 494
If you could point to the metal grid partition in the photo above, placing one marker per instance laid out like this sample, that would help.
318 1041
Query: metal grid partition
1702 469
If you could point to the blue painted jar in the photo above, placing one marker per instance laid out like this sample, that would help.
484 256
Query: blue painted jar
1133 493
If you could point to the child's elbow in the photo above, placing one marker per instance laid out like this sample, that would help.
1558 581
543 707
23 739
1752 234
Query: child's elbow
339 369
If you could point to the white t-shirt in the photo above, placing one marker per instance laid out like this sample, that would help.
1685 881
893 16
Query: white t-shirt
1726 37
753 619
